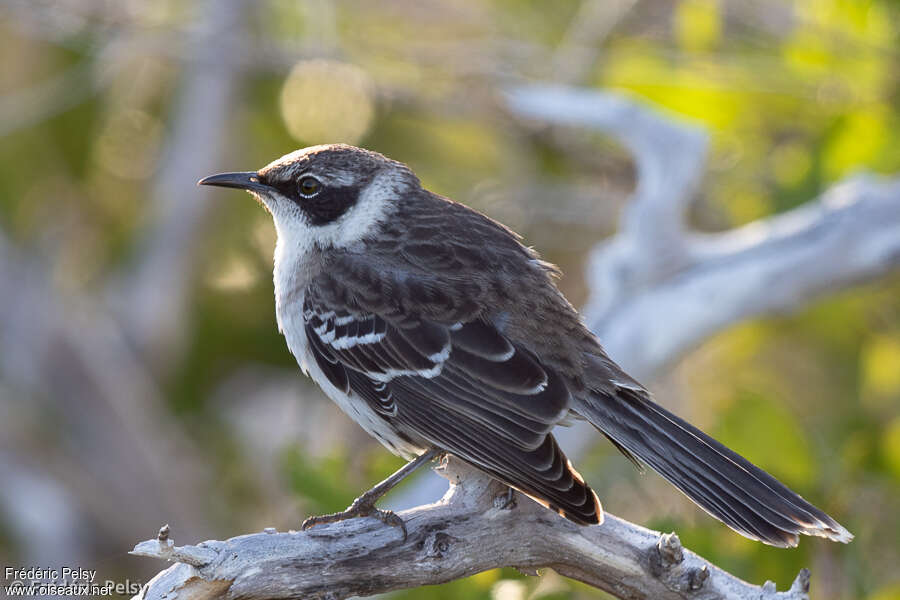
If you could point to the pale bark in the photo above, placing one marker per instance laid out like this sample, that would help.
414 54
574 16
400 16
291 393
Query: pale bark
467 532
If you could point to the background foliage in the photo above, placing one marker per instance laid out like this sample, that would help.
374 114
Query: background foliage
796 95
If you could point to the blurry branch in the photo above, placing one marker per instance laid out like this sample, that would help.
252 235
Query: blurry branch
153 300
576 54
112 421
670 158
659 289
23 108
851 234
42 518
465 533
72 356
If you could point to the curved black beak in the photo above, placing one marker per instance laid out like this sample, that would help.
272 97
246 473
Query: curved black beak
242 180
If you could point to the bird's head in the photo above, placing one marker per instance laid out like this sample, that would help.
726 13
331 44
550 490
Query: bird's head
330 196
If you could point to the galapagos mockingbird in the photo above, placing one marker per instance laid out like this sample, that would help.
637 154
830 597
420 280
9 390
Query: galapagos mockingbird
435 329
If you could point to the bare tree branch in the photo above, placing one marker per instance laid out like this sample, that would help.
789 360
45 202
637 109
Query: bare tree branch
467 532
847 236
670 155
42 515
658 289
152 302
576 53
23 108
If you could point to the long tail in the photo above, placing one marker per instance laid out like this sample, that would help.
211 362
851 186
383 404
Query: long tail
723 483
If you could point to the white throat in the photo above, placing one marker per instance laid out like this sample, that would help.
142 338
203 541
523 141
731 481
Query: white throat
300 243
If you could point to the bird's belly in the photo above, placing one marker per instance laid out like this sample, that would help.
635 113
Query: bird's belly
357 408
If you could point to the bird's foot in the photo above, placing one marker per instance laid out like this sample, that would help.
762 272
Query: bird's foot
364 506
506 501
361 507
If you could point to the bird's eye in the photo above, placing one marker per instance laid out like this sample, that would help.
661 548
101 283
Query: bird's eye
309 187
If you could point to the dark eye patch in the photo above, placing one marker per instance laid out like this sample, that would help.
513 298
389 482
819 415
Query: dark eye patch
326 206
329 204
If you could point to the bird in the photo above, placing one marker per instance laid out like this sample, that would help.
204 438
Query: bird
440 333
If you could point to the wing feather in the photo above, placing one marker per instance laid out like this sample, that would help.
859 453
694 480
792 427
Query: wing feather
460 386
482 339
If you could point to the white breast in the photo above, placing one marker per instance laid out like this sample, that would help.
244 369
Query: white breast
297 242
290 321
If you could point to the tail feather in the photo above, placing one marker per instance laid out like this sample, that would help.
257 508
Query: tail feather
723 483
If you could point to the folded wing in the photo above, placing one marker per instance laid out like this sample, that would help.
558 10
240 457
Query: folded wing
463 387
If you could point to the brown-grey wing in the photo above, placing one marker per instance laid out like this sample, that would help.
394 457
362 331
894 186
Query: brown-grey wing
458 384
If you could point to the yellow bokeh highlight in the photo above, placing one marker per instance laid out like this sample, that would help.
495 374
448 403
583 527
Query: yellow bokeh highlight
791 163
807 53
858 143
697 24
325 101
890 446
509 589
747 203
236 274
128 144
859 18
888 593
847 60
880 366
692 90
487 578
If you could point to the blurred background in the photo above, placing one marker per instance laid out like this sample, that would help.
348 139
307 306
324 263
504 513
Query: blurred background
142 377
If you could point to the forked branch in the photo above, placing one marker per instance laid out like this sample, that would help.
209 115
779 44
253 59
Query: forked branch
467 532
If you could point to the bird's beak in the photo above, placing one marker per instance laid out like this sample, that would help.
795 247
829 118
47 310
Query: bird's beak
242 180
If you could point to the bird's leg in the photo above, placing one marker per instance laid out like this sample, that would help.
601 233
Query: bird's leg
364 506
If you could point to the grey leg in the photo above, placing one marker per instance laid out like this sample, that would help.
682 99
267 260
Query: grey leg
364 506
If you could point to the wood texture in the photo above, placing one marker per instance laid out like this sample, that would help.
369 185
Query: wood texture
465 533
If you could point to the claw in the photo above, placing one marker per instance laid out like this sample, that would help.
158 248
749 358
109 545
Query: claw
364 506
355 510
389 517
506 501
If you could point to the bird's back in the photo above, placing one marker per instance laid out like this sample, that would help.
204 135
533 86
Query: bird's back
447 261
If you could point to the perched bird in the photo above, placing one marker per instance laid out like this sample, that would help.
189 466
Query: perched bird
436 330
